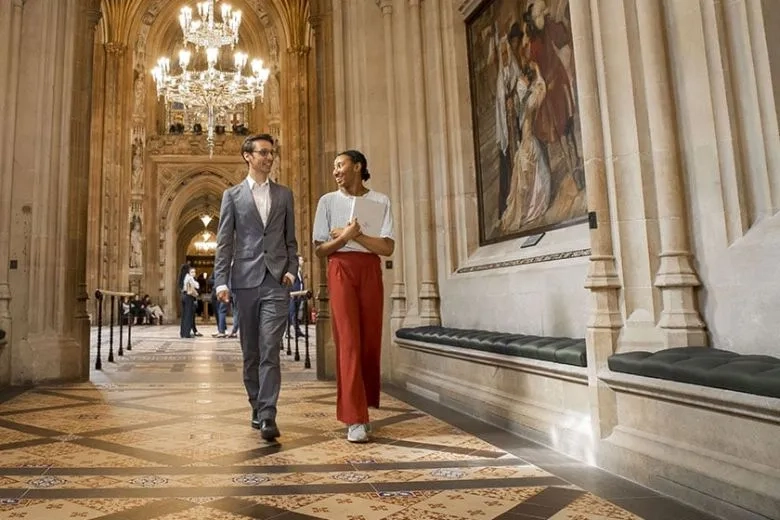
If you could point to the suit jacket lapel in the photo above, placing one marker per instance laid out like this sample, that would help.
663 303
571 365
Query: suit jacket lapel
249 203
273 194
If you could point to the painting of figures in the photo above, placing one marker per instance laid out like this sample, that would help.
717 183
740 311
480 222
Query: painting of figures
530 173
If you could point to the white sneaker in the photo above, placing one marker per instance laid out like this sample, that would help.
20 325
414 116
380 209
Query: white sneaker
357 433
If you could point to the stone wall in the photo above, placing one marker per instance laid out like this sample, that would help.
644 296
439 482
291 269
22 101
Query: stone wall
45 98
680 147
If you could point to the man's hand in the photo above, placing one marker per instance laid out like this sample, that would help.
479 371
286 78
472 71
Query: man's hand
336 232
288 280
223 296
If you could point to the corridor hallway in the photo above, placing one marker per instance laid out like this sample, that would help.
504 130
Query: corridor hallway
164 434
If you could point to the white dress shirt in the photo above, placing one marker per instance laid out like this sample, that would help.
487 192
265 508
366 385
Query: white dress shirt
262 195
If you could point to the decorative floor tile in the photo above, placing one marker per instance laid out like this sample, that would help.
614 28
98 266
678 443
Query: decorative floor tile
350 507
164 434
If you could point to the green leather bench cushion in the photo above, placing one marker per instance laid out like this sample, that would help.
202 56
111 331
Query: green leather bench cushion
567 351
752 374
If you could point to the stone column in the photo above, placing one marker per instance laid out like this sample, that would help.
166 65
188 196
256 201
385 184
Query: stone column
10 48
606 319
398 294
79 182
680 320
113 232
631 174
429 291
321 21
49 193
297 145
95 248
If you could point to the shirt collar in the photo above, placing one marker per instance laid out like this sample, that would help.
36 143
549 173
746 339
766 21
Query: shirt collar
252 182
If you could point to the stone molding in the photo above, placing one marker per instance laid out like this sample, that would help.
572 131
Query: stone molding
191 144
550 257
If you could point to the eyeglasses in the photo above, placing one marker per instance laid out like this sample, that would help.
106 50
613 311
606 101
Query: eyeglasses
265 152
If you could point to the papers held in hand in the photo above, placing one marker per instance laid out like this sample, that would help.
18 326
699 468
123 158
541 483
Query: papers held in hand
370 215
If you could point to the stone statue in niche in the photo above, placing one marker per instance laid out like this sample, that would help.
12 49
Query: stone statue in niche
138 164
135 242
272 94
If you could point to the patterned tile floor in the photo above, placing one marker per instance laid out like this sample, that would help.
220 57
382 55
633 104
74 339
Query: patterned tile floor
163 433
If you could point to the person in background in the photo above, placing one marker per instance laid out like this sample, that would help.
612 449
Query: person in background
220 311
355 289
187 304
234 310
189 288
295 303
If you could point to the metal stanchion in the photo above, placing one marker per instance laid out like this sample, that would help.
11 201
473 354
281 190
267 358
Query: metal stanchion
111 331
99 299
304 295
129 329
100 295
307 361
119 311
289 350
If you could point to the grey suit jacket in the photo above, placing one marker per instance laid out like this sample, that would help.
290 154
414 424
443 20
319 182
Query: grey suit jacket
245 248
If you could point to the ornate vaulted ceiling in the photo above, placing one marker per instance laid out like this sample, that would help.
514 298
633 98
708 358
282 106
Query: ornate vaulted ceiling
153 25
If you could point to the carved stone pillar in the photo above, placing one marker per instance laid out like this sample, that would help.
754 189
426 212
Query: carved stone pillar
113 232
398 294
606 319
429 292
297 147
680 321
634 208
79 182
321 21
10 38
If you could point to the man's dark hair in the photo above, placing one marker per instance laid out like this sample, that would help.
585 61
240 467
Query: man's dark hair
249 143
515 32
358 158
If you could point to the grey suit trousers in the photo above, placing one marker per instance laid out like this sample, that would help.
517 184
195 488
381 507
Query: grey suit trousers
262 320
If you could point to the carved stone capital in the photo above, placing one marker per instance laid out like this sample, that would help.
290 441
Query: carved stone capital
386 6
93 17
300 50
93 12
115 48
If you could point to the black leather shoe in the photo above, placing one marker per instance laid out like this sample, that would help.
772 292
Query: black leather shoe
268 429
255 420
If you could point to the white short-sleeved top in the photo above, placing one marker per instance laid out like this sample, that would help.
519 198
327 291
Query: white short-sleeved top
333 211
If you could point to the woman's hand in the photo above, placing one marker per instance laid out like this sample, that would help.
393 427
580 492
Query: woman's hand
351 232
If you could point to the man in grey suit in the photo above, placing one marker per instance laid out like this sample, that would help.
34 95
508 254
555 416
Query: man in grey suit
258 253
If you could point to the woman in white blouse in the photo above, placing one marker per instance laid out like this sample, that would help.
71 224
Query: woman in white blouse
355 289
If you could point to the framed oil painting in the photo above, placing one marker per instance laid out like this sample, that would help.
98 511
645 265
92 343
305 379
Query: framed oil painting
530 173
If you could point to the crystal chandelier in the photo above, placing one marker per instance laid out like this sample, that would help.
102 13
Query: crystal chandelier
206 244
207 32
211 88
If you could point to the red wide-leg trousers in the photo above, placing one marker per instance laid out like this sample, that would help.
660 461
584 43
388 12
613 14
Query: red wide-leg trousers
356 300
